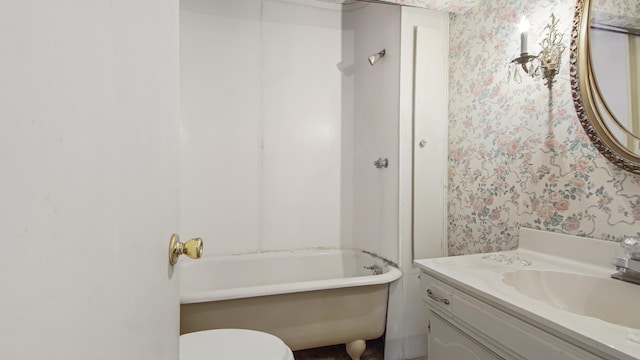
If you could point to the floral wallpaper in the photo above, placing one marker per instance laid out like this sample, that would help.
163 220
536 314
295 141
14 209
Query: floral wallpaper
453 6
620 13
518 155
618 7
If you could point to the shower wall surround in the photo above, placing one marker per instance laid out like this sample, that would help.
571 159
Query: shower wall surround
517 153
280 103
261 107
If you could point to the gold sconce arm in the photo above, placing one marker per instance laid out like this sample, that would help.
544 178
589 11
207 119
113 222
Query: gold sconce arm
547 63
551 53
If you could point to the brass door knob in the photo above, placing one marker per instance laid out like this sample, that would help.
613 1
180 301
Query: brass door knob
192 248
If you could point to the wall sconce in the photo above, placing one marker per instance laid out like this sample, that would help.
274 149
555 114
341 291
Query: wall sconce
547 63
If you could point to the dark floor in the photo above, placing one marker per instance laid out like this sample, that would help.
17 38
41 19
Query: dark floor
374 351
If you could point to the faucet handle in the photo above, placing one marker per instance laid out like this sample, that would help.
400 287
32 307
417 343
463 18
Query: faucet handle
631 247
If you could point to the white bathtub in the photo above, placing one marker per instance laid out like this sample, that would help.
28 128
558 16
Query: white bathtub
307 298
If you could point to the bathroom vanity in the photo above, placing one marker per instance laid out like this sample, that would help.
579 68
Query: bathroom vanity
552 298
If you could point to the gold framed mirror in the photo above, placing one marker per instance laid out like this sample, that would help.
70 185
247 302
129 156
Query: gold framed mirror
605 78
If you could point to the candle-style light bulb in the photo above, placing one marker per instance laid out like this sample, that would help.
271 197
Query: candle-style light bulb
524 34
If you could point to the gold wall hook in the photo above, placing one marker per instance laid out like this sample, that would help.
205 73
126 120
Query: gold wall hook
192 248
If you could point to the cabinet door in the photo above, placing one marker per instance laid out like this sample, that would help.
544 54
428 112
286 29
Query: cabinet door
448 342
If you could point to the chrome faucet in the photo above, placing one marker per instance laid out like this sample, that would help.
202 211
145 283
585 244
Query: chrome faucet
629 266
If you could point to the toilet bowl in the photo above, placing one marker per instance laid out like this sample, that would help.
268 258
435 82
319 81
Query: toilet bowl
232 344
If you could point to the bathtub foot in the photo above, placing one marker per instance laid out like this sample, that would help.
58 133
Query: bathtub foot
356 348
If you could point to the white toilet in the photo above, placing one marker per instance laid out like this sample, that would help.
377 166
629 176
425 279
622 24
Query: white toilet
233 344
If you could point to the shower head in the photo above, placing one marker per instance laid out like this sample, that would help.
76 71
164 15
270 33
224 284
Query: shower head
375 57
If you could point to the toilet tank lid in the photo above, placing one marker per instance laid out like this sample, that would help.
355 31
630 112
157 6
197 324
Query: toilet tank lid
232 344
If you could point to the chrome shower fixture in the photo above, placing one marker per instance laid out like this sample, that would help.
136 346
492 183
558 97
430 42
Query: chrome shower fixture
375 57
381 163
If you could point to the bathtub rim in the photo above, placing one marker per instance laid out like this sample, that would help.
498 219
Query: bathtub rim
391 273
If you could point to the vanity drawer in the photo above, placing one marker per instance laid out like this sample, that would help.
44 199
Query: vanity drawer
436 294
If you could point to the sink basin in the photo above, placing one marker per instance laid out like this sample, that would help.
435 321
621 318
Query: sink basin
610 300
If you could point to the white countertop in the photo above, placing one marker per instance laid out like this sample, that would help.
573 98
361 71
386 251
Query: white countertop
481 275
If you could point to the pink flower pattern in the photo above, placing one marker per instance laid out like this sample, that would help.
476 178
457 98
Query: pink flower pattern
453 6
622 13
518 155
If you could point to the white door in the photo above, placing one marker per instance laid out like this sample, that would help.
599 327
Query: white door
88 184
430 141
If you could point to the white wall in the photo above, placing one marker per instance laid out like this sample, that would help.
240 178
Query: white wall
221 72
375 95
282 119
262 127
301 105
423 115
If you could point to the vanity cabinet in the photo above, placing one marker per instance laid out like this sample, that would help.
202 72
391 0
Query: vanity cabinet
464 327
448 342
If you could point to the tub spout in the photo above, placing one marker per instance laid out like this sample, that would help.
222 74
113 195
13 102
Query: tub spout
376 269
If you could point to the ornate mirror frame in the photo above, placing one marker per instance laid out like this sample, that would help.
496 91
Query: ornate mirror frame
586 95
